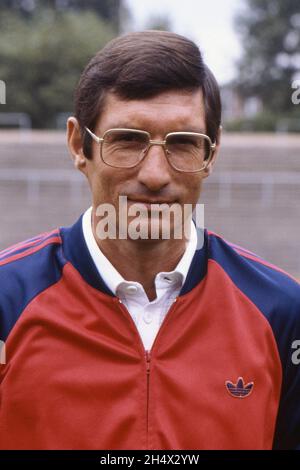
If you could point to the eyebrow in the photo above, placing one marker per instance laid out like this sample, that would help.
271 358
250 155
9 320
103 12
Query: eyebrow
126 125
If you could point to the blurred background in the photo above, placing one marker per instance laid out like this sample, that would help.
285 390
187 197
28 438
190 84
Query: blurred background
253 48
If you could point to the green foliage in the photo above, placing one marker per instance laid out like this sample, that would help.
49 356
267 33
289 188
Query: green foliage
106 9
159 22
42 57
270 32
266 121
263 122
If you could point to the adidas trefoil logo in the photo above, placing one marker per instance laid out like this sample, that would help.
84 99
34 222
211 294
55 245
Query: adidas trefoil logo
239 389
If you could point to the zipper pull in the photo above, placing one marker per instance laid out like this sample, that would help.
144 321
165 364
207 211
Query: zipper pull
147 354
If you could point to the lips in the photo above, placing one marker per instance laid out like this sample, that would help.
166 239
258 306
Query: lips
150 201
149 204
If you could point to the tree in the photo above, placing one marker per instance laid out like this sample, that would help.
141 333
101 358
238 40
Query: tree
159 22
42 57
108 10
270 32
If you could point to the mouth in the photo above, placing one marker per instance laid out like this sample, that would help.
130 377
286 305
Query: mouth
148 203
149 200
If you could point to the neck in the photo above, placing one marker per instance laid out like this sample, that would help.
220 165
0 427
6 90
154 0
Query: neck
141 260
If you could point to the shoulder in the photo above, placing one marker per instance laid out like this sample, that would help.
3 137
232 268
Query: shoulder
239 262
26 269
29 253
275 292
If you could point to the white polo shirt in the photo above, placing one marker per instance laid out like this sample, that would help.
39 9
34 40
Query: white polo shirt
148 316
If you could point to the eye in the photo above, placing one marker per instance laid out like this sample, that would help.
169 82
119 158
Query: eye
184 140
120 137
126 137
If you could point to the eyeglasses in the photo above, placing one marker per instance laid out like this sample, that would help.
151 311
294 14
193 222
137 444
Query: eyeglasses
125 148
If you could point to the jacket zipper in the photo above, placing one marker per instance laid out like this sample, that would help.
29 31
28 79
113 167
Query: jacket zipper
146 352
148 357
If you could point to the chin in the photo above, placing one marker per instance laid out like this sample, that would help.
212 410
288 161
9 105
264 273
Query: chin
153 229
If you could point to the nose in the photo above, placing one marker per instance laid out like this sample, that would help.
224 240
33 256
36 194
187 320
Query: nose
154 170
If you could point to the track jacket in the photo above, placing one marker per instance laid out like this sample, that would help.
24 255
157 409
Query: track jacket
222 372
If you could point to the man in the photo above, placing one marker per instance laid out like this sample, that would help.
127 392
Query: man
146 343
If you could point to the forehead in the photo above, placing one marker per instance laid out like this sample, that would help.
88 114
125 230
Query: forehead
166 112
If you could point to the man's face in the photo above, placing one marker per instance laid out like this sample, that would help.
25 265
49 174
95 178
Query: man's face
153 178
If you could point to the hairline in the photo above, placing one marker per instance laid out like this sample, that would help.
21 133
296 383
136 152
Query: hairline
102 104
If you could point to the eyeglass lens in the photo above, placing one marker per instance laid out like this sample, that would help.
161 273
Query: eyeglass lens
126 148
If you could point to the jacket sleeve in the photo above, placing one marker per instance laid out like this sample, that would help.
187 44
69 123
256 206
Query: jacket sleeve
287 431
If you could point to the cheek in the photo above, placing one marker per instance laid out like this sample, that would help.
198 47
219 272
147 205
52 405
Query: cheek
98 179
105 183
193 186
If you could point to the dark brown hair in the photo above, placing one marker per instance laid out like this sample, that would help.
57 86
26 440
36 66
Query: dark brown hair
141 65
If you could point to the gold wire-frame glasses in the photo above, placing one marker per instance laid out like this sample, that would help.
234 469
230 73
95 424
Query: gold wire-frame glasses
143 142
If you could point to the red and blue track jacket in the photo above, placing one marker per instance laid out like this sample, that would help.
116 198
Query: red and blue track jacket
220 373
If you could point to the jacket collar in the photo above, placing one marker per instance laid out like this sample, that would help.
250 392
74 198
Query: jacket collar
77 253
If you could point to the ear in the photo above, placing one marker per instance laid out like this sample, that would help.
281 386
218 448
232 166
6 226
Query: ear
75 144
209 168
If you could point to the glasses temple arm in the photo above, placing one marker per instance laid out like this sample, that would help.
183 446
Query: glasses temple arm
94 136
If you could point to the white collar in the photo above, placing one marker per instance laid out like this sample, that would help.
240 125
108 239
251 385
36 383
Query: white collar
109 273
